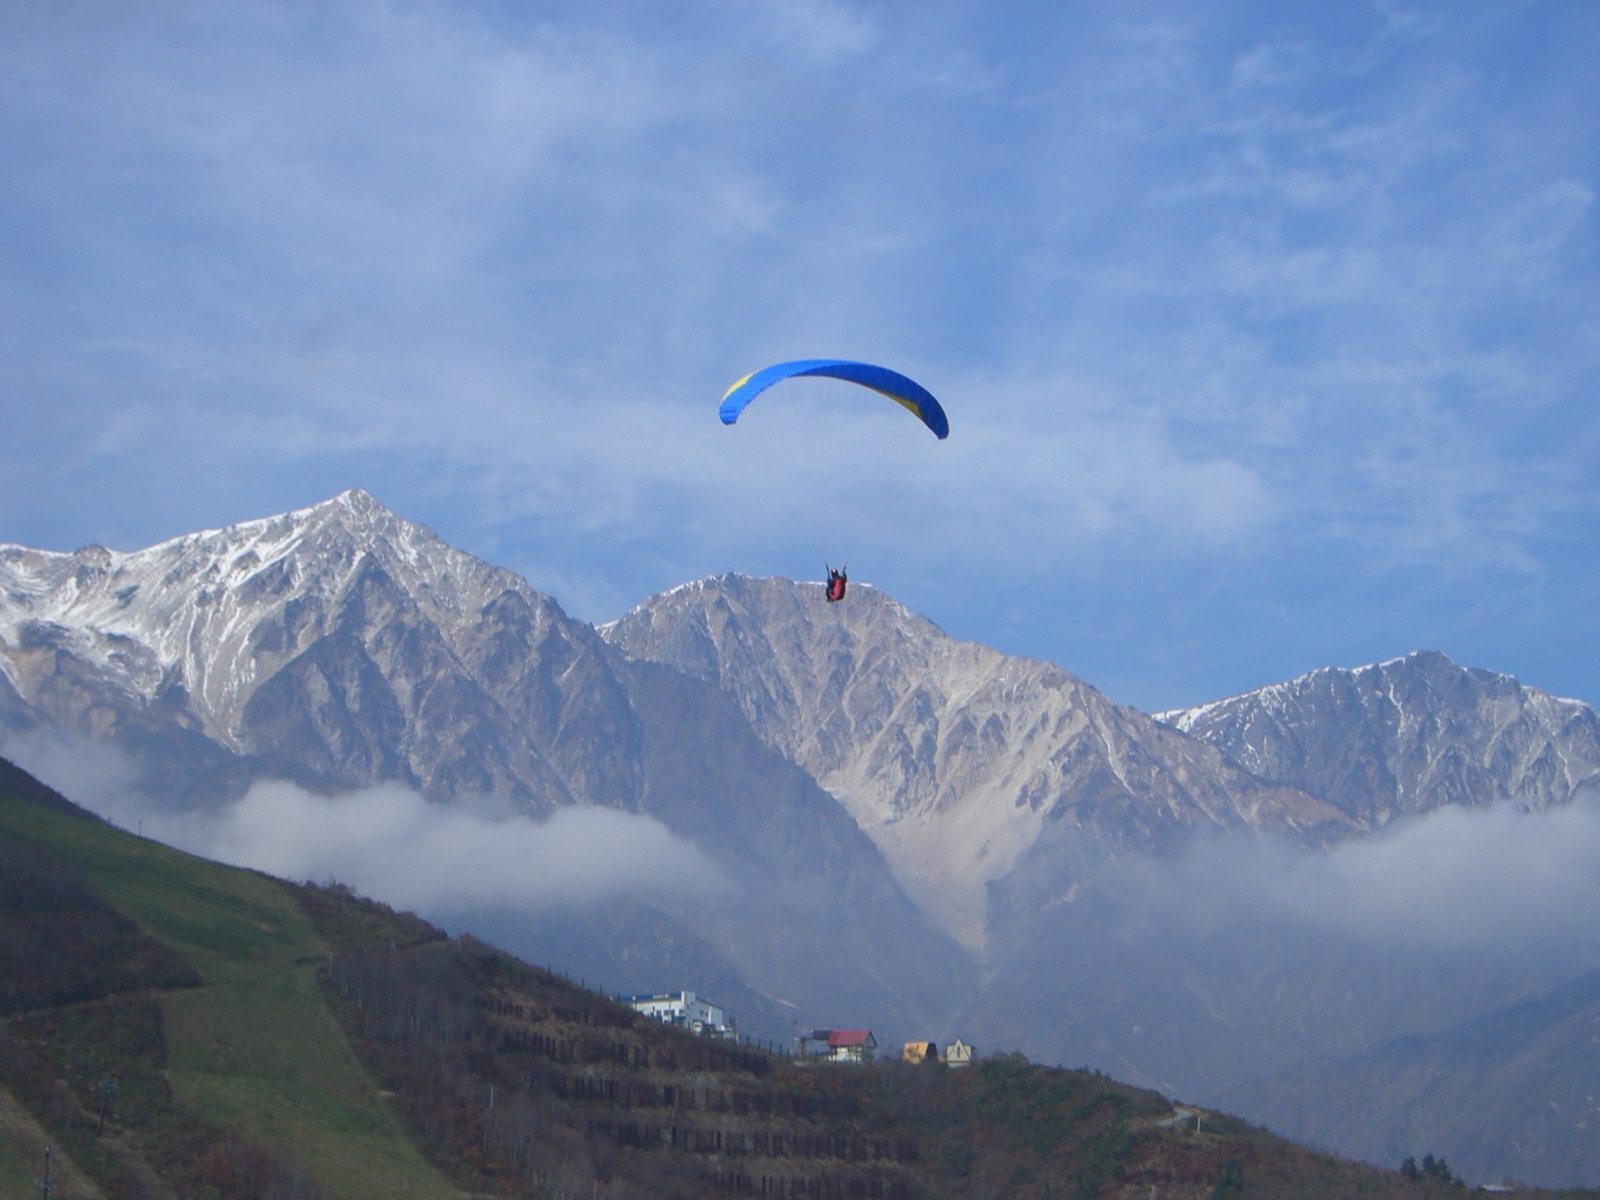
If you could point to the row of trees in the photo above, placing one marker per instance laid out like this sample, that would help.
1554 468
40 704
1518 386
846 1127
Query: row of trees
1431 1168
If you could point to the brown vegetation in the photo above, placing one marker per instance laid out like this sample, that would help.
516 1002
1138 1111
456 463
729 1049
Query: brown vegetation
518 1083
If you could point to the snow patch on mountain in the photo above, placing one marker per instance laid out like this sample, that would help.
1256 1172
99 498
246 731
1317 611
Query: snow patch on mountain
191 613
1406 736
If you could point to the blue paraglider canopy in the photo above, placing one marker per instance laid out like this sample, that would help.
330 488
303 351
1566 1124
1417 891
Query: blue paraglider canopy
908 392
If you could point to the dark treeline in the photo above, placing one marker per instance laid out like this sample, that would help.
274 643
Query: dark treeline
257 1170
61 943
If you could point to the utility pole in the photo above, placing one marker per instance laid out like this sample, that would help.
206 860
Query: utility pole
105 1087
45 1182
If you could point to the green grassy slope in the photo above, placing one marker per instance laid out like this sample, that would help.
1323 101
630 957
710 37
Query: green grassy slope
255 1049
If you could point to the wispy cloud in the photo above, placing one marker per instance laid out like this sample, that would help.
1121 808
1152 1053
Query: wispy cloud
827 31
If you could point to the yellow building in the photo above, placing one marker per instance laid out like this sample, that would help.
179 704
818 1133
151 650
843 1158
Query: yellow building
920 1052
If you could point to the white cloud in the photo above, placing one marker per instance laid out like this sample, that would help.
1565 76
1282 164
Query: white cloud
89 774
1495 880
1269 66
825 30
390 843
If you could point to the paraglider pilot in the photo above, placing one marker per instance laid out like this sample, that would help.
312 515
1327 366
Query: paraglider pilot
837 582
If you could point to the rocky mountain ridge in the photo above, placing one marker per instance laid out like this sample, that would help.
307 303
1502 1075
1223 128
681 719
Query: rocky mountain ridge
191 608
1406 736
956 759
337 644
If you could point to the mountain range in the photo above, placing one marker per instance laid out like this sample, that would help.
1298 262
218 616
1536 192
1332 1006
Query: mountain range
923 835
341 647
1511 1092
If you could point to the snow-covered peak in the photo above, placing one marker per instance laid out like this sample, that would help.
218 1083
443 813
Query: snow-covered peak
1379 677
1405 735
187 610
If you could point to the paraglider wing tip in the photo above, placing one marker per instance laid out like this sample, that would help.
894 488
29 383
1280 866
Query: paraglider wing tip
737 385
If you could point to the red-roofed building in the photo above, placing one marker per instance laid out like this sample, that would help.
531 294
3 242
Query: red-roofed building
839 1045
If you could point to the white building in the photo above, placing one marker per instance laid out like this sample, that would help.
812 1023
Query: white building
685 1010
959 1054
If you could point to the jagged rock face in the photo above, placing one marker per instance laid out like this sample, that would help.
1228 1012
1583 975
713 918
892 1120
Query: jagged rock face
337 644
1406 736
956 759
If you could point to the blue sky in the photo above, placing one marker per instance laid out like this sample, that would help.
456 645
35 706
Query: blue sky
1269 333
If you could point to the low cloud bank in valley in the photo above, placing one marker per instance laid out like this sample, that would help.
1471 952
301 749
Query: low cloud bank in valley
94 776
1486 881
390 843
1465 879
